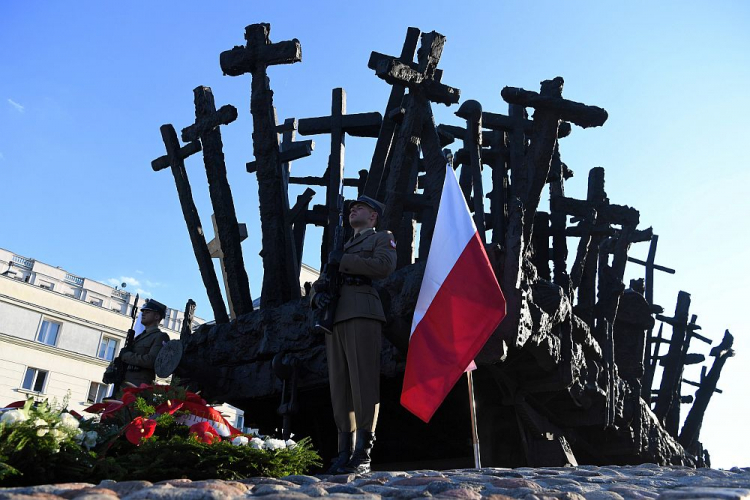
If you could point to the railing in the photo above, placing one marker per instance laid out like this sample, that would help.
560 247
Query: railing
122 294
71 278
23 262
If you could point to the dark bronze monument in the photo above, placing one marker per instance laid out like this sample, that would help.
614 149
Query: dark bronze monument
568 376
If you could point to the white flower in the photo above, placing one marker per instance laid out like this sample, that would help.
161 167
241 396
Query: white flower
41 431
274 444
256 443
240 441
13 417
290 444
56 434
69 421
90 440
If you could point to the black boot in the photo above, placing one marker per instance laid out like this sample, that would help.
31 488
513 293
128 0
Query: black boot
346 446
360 461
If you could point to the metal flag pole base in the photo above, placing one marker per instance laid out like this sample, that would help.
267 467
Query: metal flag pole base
474 434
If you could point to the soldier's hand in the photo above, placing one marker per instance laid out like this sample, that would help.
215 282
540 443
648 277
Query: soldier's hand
335 257
321 300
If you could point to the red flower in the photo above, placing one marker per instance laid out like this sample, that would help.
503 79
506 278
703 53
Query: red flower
168 407
204 432
140 428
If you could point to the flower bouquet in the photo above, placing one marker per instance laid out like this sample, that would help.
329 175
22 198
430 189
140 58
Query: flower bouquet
154 432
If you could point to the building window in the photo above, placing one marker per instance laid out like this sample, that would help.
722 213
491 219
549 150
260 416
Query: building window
34 379
47 285
240 422
48 332
96 301
98 391
107 348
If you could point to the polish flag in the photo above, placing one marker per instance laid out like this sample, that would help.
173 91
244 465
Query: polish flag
460 304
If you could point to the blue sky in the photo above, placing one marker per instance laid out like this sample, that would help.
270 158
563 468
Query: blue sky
84 87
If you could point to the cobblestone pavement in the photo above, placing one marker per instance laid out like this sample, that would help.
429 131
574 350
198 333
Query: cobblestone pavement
573 483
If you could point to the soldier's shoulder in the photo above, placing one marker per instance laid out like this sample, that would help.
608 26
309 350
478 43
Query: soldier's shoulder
386 236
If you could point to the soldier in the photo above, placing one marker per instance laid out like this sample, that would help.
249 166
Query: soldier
353 349
141 355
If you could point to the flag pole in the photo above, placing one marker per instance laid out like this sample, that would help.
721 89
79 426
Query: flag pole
474 434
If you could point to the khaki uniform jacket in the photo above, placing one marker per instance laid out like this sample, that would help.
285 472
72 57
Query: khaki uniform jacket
141 360
372 254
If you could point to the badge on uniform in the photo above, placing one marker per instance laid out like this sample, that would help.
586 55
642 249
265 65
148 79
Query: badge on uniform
393 244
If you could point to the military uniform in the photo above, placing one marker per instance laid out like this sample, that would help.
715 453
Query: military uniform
354 348
140 359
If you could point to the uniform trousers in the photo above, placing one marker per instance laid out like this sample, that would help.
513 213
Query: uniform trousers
354 373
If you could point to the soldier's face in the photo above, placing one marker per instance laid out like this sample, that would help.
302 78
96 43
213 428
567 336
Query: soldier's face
360 215
149 317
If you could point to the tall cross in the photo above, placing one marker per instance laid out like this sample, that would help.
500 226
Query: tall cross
416 130
471 111
206 128
338 124
651 266
596 215
216 249
175 158
549 109
280 274
375 187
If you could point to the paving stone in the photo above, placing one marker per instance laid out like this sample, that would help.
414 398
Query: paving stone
300 480
463 493
700 493
125 488
314 490
267 489
168 492
28 496
603 495
417 481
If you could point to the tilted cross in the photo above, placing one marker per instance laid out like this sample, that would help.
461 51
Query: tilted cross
375 188
216 249
416 130
175 158
206 128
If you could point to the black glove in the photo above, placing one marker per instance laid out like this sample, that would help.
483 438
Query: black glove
321 300
335 257
126 349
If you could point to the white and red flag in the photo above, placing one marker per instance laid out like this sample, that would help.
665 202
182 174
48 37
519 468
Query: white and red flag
460 304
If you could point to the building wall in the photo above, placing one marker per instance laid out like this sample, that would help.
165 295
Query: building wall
87 311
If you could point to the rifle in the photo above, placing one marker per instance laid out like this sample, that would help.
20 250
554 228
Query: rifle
115 372
323 317
187 320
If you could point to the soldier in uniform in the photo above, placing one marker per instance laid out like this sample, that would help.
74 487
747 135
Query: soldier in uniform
353 349
141 355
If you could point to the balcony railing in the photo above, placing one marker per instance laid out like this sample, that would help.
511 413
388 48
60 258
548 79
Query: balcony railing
23 262
70 278
122 294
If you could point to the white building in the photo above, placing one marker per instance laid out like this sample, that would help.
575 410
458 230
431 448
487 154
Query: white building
59 331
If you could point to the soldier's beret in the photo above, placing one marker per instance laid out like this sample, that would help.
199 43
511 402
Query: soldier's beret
154 305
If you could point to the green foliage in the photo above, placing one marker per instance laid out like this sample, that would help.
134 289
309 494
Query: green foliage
42 444
42 447
185 457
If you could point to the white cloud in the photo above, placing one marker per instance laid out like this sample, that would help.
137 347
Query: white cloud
141 291
20 108
124 279
2 156
152 284
130 281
